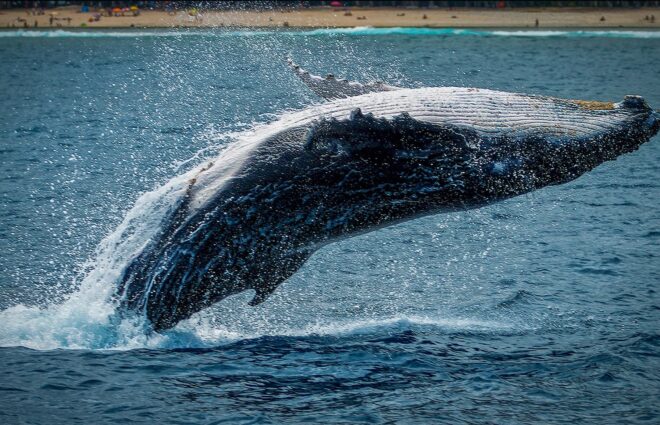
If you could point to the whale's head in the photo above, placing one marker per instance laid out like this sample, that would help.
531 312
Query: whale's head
519 163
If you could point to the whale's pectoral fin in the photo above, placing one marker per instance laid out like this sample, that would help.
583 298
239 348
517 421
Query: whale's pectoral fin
334 88
287 266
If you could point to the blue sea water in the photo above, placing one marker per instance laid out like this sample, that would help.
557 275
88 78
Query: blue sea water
539 309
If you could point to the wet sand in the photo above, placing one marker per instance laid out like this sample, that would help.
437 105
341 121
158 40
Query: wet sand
71 17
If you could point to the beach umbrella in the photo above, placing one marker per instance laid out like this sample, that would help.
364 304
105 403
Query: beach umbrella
116 10
335 4
134 8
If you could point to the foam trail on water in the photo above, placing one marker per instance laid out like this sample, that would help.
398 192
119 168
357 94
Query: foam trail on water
211 334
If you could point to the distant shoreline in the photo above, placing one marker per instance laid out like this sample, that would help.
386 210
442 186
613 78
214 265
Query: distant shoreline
550 18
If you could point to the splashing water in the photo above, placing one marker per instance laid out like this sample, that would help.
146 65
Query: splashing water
85 319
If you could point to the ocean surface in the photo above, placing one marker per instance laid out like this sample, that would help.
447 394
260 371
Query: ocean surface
540 309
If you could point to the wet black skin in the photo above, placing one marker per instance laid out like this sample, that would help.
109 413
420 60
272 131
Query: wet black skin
309 186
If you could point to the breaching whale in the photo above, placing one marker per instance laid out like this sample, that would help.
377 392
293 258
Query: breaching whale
373 156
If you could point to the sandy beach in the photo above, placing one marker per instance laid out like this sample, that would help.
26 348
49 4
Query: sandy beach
71 17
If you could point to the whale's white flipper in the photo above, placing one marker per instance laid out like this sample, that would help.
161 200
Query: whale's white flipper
332 88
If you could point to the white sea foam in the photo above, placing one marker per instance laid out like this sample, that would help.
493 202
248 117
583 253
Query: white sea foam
85 319
356 31
85 322
578 34
206 333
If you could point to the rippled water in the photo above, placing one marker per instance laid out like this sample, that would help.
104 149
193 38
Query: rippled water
543 308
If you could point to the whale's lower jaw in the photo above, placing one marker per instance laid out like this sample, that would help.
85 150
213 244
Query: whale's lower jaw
308 184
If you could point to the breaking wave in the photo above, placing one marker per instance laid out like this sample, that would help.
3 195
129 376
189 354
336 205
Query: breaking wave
356 31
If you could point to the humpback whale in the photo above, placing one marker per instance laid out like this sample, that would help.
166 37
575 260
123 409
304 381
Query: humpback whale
371 156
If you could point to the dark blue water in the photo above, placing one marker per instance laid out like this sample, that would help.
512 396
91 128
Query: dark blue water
543 308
